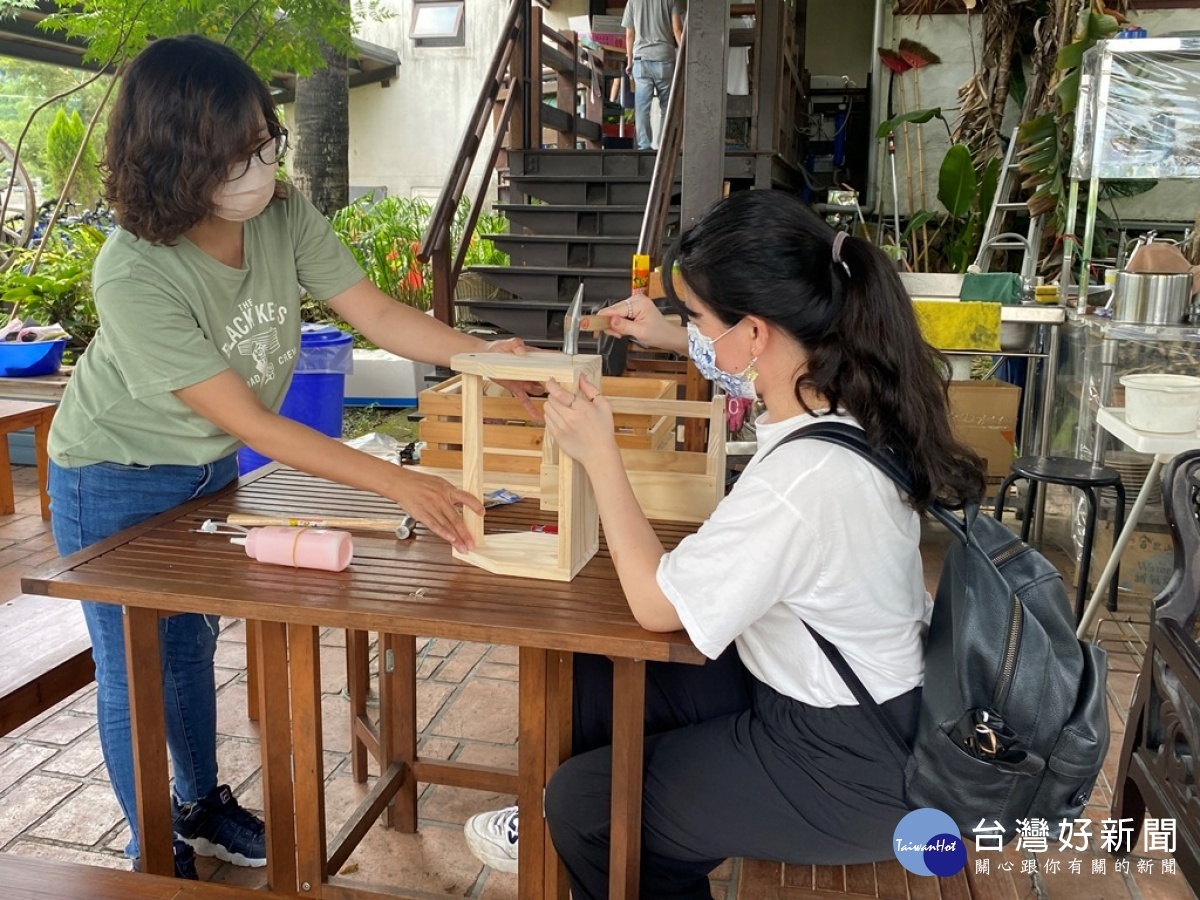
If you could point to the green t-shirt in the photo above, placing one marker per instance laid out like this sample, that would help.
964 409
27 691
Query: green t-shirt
172 316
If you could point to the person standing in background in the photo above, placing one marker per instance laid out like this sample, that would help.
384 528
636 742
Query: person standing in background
653 30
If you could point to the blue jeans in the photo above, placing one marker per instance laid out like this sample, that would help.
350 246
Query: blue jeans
89 504
653 76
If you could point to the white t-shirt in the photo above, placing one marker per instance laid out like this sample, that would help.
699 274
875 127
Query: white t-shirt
814 533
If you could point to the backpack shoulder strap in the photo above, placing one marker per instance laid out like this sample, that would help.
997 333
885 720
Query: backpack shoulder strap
855 439
883 723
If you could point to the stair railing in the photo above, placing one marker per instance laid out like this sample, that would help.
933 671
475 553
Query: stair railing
662 181
506 75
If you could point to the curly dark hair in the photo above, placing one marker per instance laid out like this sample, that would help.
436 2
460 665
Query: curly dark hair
188 108
766 254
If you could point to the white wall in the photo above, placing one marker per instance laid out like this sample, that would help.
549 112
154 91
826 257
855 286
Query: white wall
949 37
838 40
561 10
406 136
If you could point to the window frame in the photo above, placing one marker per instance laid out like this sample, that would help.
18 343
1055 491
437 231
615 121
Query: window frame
456 38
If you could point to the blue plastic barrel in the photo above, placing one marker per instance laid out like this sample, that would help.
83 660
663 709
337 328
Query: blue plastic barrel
318 389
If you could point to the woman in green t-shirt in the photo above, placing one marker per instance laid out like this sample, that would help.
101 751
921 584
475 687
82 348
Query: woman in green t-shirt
199 306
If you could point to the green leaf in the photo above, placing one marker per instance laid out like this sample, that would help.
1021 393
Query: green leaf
956 181
988 182
1036 130
919 219
1068 92
1071 56
916 116
1110 189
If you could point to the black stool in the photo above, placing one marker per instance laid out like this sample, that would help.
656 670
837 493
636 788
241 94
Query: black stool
1075 473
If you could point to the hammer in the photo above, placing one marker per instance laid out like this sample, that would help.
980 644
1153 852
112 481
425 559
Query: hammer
402 527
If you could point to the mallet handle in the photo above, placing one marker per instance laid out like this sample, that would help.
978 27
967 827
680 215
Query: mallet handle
250 521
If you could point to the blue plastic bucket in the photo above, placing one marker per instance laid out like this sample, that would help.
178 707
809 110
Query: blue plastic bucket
22 360
318 389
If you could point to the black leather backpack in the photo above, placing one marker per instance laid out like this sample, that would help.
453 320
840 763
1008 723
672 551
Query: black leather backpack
1013 721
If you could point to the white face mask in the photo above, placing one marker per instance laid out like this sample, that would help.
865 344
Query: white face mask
245 197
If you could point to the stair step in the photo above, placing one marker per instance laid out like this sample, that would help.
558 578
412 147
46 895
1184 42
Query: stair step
624 220
538 322
558 283
591 190
573 251
582 163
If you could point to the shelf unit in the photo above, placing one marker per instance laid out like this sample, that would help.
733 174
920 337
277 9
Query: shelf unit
1138 117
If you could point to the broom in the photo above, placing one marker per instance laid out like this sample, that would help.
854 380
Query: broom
918 56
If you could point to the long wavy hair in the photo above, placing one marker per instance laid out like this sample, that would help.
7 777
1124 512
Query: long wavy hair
188 108
766 254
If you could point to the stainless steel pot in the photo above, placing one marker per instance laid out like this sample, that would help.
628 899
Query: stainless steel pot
1151 298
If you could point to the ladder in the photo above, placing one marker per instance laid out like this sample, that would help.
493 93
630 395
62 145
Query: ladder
994 237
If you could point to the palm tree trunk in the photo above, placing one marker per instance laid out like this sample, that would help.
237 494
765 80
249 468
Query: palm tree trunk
321 166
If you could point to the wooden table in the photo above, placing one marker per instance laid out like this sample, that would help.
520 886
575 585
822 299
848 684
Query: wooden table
399 589
17 415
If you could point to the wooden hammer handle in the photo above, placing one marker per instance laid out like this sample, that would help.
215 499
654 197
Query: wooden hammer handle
250 521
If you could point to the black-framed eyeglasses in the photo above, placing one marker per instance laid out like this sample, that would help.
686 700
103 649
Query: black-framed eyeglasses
269 152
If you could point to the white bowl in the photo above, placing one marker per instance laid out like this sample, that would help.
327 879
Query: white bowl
1162 403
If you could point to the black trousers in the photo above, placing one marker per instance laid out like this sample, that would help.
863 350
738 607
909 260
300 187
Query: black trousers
732 768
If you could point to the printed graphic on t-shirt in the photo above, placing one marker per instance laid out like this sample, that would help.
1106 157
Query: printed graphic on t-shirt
260 346
254 332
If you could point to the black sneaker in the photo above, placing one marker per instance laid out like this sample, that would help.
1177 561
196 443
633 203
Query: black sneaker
185 862
217 826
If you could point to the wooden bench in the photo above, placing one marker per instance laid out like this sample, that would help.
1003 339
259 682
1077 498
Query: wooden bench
47 657
17 415
39 879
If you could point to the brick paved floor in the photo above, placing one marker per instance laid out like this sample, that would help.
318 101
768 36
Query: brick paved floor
55 800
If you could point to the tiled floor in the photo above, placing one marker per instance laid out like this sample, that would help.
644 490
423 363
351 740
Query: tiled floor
55 801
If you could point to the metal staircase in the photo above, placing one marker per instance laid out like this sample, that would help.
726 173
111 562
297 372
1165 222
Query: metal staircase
581 227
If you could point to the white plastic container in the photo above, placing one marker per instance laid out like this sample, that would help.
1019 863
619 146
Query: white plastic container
1162 403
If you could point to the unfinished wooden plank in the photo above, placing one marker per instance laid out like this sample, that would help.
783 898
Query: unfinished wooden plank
562 367
473 451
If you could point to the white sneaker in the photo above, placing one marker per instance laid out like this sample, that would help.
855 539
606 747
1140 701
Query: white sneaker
492 837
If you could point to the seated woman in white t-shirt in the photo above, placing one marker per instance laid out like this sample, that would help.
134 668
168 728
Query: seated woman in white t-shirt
764 752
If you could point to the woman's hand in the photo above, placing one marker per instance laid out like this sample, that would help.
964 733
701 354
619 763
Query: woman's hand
581 423
637 317
434 502
519 389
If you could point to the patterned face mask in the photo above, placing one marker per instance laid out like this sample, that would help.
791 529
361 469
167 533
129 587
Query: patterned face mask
704 354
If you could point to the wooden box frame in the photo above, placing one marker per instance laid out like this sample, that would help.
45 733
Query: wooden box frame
671 485
553 557
513 441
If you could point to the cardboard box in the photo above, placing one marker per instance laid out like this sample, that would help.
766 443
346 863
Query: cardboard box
983 415
1146 564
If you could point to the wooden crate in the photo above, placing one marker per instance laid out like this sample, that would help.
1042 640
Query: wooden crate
513 442
670 485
